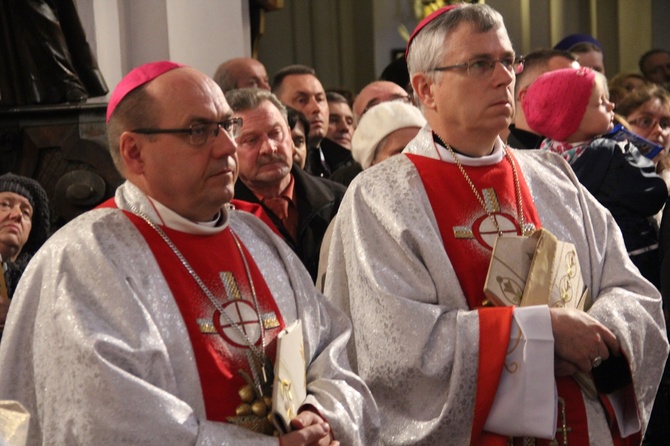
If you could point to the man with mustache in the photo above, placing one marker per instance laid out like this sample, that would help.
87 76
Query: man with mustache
300 205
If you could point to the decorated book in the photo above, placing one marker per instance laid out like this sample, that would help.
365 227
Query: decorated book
290 387
536 270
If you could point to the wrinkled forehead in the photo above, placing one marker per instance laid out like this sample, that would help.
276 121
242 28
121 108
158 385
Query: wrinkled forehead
467 40
187 90
265 115
15 198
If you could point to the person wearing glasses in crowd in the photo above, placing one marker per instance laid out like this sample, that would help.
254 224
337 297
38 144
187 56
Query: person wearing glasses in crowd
646 109
412 246
153 319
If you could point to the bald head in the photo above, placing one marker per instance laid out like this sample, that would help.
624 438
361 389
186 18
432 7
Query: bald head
375 93
241 72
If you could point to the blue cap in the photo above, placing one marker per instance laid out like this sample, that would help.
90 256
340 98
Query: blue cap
573 40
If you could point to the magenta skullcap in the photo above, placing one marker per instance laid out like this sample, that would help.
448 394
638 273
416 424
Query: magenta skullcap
136 78
429 18
555 103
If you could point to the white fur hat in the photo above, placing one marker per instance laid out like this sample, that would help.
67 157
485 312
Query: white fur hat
377 123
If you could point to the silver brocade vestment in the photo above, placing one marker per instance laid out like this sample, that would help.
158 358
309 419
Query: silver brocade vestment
97 351
415 340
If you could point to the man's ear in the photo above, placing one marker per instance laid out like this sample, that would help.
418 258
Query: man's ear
521 94
130 148
423 89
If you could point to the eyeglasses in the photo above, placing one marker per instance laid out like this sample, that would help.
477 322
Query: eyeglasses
648 122
483 66
198 133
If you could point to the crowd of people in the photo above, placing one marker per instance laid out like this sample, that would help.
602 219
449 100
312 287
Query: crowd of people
376 220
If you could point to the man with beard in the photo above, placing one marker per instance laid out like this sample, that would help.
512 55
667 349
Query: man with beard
300 205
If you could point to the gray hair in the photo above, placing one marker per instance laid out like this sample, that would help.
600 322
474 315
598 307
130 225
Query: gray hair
245 99
137 109
428 48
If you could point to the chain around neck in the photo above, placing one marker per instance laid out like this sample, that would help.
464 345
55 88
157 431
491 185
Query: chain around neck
521 221
258 353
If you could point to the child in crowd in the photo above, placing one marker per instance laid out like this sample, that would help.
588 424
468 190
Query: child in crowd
571 108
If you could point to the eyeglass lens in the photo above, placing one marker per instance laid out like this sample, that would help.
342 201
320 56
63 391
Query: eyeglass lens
200 132
647 122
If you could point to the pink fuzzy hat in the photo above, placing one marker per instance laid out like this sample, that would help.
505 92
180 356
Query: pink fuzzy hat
555 103
138 77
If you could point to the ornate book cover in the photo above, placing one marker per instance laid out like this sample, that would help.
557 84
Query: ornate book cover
290 388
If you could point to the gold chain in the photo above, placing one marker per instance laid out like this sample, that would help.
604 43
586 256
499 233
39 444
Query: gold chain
258 353
517 188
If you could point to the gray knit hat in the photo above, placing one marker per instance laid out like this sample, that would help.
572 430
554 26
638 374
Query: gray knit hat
31 189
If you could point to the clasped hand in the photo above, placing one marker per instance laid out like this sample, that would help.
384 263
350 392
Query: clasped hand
578 340
310 430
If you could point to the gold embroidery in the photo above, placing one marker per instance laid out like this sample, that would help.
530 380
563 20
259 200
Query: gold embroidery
270 321
230 285
513 366
206 326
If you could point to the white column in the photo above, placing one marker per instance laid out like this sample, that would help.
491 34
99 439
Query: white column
108 40
204 33
200 33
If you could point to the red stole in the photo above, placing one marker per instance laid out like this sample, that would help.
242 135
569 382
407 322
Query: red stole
468 235
219 352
